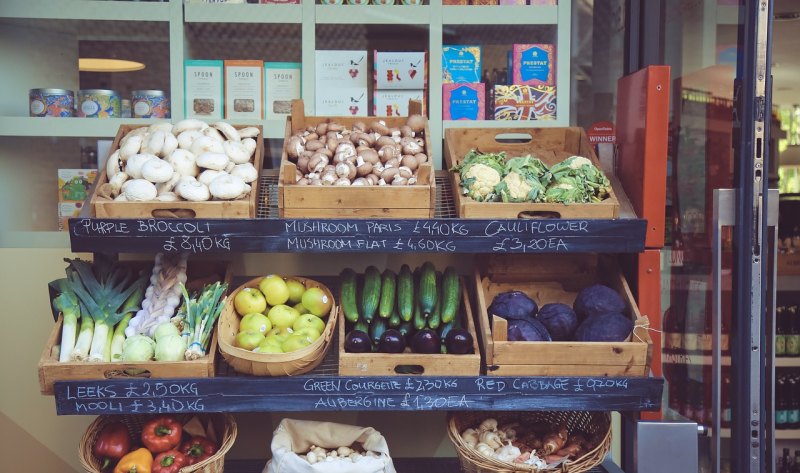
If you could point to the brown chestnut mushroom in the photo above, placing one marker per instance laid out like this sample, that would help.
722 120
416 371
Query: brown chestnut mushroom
361 182
421 158
412 147
294 147
379 126
388 152
363 168
335 127
389 173
410 162
392 163
366 139
359 126
405 172
303 182
321 129
384 141
316 182
298 175
369 155
399 181
326 152
342 181
416 123
317 162
302 164
330 168
342 170
406 131
373 179
353 170
313 145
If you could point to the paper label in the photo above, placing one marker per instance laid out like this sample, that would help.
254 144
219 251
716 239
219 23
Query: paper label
203 89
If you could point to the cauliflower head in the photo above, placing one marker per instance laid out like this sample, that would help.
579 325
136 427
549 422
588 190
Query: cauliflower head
479 180
517 188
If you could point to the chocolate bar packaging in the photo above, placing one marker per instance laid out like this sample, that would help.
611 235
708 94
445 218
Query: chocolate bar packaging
534 64
463 101
524 102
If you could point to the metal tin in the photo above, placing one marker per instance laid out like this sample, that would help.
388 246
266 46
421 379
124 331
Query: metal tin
51 102
99 103
126 108
150 104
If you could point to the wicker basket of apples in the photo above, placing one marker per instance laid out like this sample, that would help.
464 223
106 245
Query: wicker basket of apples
277 326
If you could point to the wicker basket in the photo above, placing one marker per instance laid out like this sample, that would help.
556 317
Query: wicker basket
272 364
224 426
588 422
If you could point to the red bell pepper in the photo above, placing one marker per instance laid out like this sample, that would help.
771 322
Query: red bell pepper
170 461
198 449
111 444
161 434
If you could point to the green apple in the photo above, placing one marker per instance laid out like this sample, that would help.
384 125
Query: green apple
275 290
310 332
249 340
296 290
270 345
249 300
317 302
299 307
309 320
255 322
280 331
283 316
296 342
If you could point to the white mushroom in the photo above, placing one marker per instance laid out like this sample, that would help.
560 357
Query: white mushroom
169 186
227 187
246 171
229 167
213 133
166 127
113 164
191 189
116 181
183 162
139 190
228 130
120 198
249 145
249 132
190 124
187 138
237 151
170 145
210 160
157 171
209 175
155 143
167 197
130 146
142 130
134 164
205 144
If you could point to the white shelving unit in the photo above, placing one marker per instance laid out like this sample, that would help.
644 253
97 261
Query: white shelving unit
433 17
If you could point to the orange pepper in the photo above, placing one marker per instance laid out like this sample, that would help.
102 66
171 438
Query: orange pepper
138 461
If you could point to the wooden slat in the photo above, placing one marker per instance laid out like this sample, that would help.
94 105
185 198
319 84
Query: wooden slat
569 370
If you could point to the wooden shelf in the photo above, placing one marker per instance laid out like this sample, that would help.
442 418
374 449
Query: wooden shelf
85 10
242 13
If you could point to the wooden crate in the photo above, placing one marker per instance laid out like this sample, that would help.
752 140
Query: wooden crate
556 278
51 370
393 364
417 201
551 145
242 208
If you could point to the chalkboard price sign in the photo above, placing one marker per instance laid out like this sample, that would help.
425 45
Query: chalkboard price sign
324 236
243 394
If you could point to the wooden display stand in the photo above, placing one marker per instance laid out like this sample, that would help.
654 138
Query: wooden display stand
551 145
556 278
297 201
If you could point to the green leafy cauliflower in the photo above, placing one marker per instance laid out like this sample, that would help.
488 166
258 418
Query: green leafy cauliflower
577 180
524 181
480 173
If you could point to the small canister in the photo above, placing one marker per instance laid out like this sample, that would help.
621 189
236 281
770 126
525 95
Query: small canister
51 102
126 108
150 104
99 103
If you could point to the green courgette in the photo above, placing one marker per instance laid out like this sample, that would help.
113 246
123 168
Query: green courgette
370 293
435 319
376 329
388 291
347 294
427 288
451 294
405 293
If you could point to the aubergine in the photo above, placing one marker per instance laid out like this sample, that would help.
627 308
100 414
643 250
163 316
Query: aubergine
425 341
458 341
357 341
392 341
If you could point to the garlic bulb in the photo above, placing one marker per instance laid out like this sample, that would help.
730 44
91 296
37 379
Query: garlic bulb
508 453
491 439
484 449
470 437
488 424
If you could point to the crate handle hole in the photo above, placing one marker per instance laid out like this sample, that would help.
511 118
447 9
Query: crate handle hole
513 138
174 213
128 373
409 369
539 214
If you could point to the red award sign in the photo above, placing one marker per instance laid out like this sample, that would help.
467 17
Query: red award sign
602 132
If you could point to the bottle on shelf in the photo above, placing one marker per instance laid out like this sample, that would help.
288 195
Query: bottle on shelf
781 407
793 403
780 332
727 412
788 464
796 468
793 334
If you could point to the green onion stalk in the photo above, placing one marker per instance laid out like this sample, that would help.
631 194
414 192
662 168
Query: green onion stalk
199 316
104 289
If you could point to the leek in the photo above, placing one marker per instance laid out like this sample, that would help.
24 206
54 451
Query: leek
200 315
67 304
103 289
84 342
119 338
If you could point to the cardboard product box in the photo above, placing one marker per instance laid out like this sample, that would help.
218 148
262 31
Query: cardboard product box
484 2
512 2
463 101
74 184
203 85
336 69
67 210
341 101
244 89
282 85
401 70
394 103
524 102
461 64
455 2
534 64
542 2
